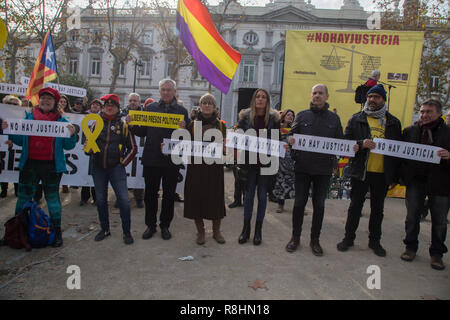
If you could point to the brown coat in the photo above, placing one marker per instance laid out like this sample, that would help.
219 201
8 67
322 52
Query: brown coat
204 186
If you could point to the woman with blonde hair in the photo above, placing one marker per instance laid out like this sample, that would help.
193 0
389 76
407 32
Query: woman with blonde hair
204 187
260 116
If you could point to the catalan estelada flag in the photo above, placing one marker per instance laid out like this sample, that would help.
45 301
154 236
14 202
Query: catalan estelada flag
44 70
216 60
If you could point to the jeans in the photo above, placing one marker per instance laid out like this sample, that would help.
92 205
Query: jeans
320 188
255 179
415 198
118 179
153 177
378 189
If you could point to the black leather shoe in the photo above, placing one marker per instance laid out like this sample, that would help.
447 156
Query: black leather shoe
293 244
234 205
148 233
316 248
258 233
102 235
165 233
58 238
344 245
127 238
178 198
377 249
245 234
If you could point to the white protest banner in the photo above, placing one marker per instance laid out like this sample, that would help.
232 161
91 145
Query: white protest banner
338 147
250 143
192 148
16 89
77 162
37 128
3 145
63 89
407 150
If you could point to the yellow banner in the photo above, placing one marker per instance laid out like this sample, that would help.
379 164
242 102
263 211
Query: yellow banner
342 60
156 119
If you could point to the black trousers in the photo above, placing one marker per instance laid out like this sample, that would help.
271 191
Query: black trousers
86 193
320 185
378 188
238 190
153 177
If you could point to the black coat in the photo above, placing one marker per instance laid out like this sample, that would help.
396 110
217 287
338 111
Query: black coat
358 129
323 123
437 175
152 155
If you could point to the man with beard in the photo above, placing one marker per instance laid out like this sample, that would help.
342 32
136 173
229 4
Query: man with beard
370 170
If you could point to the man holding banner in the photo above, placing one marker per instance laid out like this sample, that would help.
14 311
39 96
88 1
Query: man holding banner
313 167
370 170
157 166
427 179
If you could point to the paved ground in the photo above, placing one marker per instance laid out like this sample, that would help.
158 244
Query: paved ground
150 269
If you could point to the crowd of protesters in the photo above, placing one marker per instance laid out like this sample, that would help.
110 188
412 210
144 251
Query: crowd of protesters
42 164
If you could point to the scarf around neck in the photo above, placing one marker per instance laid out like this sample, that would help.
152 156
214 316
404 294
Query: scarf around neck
379 114
427 130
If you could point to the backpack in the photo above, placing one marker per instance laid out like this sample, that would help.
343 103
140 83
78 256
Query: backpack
41 231
361 93
16 232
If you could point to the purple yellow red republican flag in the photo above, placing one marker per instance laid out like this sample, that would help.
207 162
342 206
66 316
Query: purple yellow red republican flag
44 70
216 60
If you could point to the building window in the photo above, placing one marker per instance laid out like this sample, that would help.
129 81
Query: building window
249 71
145 70
147 37
30 53
280 66
74 34
122 69
95 66
73 66
250 38
96 35
434 85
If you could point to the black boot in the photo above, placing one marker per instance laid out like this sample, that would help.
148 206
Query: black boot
258 233
58 238
245 232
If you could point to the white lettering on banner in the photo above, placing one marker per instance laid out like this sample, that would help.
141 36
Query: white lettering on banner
37 128
192 148
407 150
338 147
255 144
77 162
63 89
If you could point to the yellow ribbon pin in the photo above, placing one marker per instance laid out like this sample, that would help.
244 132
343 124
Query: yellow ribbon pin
92 136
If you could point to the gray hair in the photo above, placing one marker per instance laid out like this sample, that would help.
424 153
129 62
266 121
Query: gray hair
375 73
134 94
167 80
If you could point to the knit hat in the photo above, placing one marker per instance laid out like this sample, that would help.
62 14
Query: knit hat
379 89
111 98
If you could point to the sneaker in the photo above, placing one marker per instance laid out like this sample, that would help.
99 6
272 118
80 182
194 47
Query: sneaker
127 238
344 245
102 235
408 255
377 249
436 263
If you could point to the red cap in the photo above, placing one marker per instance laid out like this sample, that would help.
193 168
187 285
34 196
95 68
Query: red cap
111 98
53 92
148 101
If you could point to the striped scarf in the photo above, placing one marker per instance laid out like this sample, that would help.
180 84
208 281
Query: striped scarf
379 114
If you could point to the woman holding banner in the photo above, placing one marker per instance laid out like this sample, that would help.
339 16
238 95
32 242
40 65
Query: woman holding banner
204 187
259 116
117 149
43 158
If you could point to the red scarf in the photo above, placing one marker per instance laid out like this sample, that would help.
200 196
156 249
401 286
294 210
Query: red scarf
42 148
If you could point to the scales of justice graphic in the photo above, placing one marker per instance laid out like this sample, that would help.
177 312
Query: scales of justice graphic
335 62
